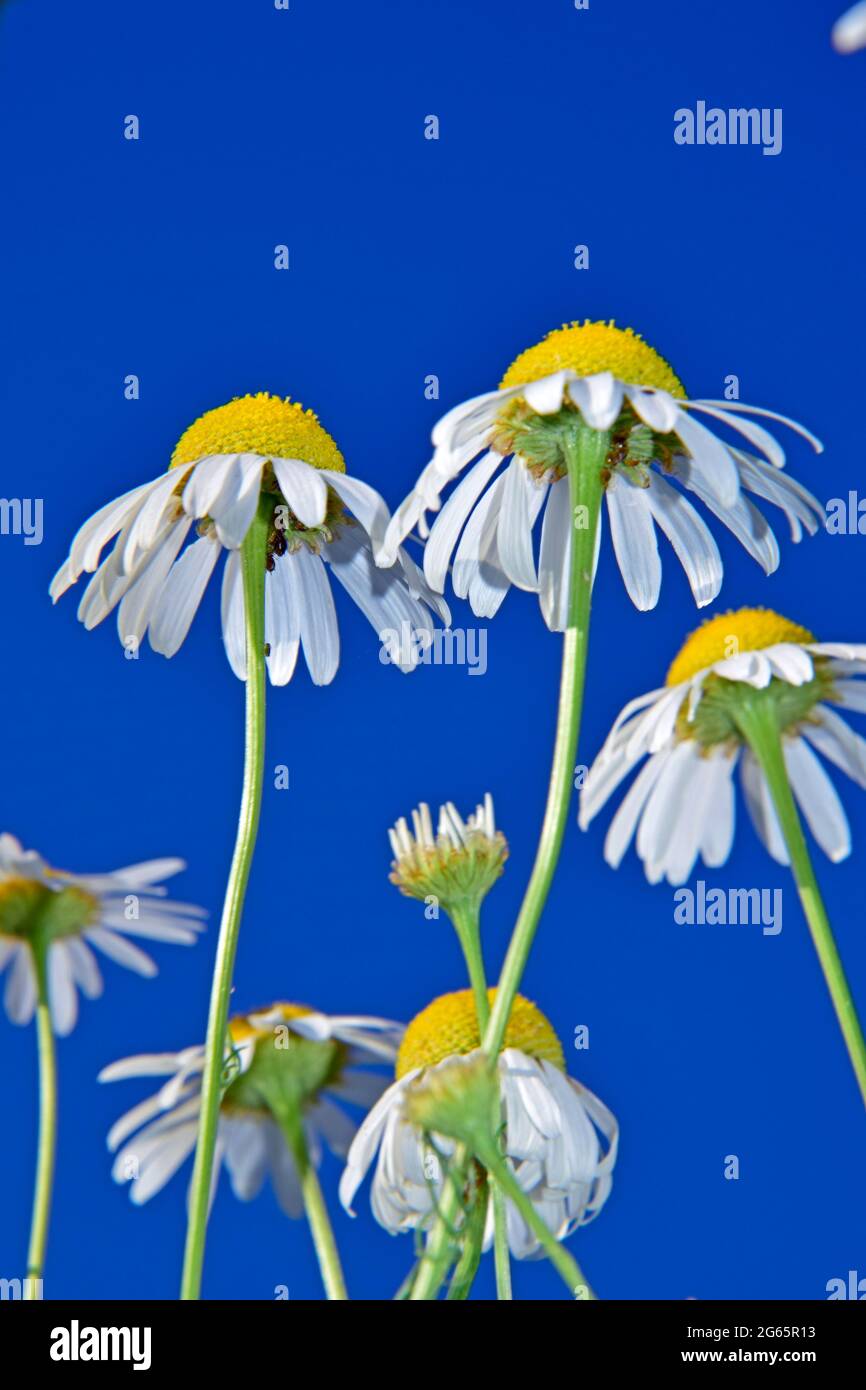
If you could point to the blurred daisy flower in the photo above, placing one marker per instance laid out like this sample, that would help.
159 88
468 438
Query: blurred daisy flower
654 447
256 452
283 1059
849 32
681 806
558 1139
61 916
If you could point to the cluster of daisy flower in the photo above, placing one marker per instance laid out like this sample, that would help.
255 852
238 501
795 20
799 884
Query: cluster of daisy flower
468 1116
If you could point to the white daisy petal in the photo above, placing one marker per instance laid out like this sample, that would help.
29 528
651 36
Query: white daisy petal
818 800
634 542
446 529
233 510
364 501
833 737
304 489
514 531
714 457
554 558
233 625
20 994
118 949
545 395
282 620
761 808
694 545
318 618
849 32
181 595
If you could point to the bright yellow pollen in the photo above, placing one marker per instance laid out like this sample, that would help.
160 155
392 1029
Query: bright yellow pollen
260 424
595 347
449 1027
728 634
241 1029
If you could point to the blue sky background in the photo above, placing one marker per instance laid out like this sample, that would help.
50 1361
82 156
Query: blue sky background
411 257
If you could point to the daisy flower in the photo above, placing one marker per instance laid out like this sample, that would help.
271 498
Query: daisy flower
681 806
66 915
849 32
656 446
559 1139
319 1062
458 864
256 452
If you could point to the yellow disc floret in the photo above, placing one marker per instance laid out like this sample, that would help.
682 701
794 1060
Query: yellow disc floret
245 1026
260 424
588 348
449 1027
728 634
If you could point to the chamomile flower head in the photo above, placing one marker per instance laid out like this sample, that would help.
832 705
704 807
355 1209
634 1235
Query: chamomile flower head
459 864
287 1054
255 452
558 1137
64 916
681 806
849 31
658 448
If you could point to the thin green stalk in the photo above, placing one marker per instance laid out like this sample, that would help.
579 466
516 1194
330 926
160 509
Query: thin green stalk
564 1263
587 453
757 720
47 1130
253 555
501 1253
472 1239
466 924
314 1203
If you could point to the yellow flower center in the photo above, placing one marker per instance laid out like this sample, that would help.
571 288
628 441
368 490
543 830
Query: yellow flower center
260 424
241 1027
449 1027
728 634
588 348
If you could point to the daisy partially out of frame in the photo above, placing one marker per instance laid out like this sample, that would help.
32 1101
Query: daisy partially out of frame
559 1140
256 454
755 691
849 31
68 916
654 446
51 923
289 1072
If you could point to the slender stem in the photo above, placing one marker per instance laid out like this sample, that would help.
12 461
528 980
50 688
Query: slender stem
758 722
586 456
565 1263
253 553
325 1245
466 924
47 1130
501 1253
472 1239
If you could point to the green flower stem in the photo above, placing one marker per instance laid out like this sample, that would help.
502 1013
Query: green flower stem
466 923
501 1253
757 721
47 1129
253 555
472 1236
564 1263
586 453
290 1122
